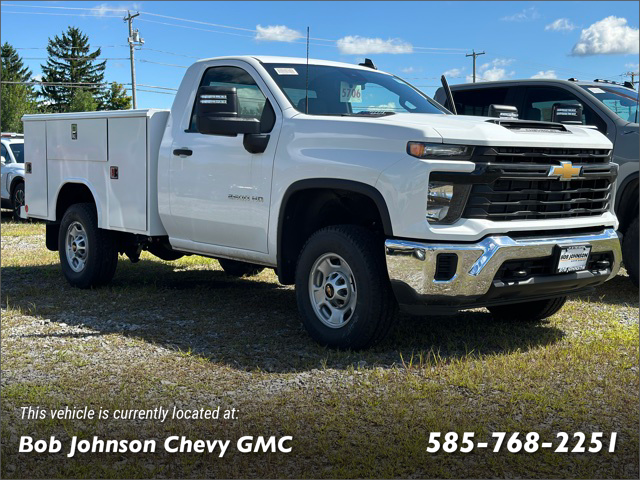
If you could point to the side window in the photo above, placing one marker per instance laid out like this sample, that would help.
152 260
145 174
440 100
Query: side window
476 102
251 100
5 154
539 103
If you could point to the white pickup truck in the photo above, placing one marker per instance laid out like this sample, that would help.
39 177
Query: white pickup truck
349 182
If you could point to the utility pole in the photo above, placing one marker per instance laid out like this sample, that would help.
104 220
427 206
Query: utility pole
474 55
134 40
632 75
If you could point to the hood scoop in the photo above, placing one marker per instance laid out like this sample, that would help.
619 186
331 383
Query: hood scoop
530 126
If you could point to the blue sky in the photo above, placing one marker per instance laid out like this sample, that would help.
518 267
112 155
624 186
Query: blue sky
416 40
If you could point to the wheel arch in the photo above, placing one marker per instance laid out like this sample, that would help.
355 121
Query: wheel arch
626 205
316 194
76 191
14 182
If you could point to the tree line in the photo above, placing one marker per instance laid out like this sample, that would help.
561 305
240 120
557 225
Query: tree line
70 61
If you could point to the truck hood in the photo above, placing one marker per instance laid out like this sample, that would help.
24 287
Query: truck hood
468 130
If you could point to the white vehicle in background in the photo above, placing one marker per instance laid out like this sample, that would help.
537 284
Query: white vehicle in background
350 183
12 188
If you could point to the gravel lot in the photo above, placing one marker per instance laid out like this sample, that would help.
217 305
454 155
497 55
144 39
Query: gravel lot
183 334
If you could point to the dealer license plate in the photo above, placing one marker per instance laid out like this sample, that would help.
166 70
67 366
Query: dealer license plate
573 258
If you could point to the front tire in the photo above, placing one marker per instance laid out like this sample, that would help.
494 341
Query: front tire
17 200
630 251
342 288
88 254
528 311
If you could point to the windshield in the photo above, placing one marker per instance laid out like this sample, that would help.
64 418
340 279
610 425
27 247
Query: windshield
18 151
621 101
348 91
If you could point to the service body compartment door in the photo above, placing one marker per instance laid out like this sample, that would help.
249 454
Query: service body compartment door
127 187
77 139
35 157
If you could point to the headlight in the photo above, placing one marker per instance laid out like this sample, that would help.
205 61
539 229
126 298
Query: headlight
439 199
439 150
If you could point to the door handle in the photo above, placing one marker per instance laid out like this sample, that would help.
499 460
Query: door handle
183 151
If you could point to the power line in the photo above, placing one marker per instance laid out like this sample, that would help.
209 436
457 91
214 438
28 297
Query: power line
44 48
142 60
94 9
65 14
217 25
83 59
146 49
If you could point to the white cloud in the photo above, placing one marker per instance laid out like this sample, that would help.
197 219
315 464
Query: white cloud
276 33
545 74
560 25
108 9
632 66
453 72
356 45
608 36
493 71
408 70
525 15
37 78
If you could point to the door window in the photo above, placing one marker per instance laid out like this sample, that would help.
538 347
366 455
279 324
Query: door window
477 102
539 102
251 101
5 154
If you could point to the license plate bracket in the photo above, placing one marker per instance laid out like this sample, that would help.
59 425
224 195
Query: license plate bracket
572 258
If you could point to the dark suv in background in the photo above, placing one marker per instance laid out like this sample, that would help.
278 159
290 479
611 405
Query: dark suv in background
610 107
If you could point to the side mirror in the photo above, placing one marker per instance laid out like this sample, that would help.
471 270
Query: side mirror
569 113
4 160
503 111
217 113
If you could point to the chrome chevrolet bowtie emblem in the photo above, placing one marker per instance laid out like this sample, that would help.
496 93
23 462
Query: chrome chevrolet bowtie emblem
566 171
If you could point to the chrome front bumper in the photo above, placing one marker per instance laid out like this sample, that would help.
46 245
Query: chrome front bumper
412 265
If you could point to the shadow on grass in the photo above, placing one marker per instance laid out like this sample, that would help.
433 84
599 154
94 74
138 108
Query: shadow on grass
247 324
617 291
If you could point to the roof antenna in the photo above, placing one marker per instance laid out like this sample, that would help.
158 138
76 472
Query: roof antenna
306 87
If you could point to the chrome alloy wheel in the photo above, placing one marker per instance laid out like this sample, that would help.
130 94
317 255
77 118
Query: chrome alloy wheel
332 288
76 246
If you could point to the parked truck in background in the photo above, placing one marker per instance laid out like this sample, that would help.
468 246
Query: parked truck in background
12 182
350 183
610 107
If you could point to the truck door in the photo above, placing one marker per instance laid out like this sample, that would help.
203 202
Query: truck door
216 184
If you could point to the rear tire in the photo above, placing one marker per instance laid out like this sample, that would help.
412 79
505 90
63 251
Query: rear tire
239 269
88 254
17 200
630 251
528 311
342 288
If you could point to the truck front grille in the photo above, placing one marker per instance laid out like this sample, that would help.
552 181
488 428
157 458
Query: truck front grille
547 156
515 184
515 199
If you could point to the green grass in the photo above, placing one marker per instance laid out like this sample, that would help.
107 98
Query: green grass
182 333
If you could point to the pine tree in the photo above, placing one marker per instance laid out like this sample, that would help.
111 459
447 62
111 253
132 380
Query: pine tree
71 61
17 99
82 101
117 98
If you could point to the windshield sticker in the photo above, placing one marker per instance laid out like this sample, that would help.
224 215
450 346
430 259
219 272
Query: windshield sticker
286 71
596 90
351 94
